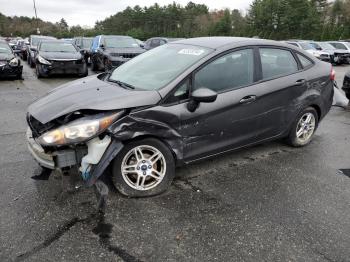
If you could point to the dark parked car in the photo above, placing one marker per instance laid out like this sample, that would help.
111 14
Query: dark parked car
179 103
84 45
21 49
158 41
110 51
338 56
59 57
346 85
10 66
34 40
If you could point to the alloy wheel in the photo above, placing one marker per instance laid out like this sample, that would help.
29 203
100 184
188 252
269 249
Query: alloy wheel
306 127
143 167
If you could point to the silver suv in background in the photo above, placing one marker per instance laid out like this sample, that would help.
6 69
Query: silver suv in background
338 56
324 56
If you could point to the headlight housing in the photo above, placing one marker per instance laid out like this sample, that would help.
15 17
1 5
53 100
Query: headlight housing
13 62
79 130
43 60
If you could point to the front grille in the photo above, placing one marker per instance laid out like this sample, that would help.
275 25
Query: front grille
125 55
62 63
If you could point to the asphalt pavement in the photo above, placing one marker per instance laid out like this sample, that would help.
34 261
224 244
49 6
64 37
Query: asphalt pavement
266 203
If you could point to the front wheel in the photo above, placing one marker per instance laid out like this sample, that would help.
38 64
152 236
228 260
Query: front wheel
143 168
303 128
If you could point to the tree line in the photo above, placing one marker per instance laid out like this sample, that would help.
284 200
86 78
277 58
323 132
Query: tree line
273 19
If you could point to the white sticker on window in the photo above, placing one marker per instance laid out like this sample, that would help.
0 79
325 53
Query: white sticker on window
196 52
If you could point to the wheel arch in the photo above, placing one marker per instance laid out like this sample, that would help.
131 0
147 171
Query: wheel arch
177 157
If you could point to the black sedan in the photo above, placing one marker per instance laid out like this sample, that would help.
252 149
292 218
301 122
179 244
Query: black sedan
59 57
10 66
179 103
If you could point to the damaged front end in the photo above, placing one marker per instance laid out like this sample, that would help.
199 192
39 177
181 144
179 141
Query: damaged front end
79 141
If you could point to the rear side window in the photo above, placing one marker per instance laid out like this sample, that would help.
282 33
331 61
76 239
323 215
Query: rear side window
277 62
305 62
230 71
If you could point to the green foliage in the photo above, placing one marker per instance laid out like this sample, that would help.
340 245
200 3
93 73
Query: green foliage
275 19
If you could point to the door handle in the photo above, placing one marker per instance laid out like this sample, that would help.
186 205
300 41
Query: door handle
300 82
248 99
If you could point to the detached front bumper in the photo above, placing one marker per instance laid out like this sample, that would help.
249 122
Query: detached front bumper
36 150
74 157
10 71
64 158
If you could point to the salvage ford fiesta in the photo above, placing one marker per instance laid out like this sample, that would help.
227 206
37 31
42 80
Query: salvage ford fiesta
178 103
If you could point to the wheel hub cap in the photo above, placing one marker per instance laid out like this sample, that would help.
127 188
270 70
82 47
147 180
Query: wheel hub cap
143 167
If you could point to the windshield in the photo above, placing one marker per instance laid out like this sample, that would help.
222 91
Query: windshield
57 47
156 68
36 40
86 43
5 49
120 42
307 46
326 46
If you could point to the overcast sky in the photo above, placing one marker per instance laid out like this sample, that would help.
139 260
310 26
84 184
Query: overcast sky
87 12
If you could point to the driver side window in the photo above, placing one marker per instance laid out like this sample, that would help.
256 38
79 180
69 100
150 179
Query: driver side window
231 71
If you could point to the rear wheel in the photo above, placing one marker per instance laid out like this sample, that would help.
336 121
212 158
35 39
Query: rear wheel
143 168
303 128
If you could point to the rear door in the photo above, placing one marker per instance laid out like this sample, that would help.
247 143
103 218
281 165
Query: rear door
282 84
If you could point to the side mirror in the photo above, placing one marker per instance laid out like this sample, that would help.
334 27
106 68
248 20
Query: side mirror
102 46
319 48
32 49
201 95
142 45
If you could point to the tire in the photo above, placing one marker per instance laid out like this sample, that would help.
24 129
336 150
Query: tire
347 95
38 72
93 65
106 66
85 73
144 169
305 128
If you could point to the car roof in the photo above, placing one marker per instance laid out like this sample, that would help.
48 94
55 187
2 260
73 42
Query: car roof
55 41
126 36
220 42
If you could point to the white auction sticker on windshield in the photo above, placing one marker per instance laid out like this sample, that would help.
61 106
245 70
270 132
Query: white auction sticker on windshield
191 52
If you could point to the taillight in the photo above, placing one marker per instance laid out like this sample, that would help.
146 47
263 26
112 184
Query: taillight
332 74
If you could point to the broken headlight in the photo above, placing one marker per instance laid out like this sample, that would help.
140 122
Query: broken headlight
78 130
13 62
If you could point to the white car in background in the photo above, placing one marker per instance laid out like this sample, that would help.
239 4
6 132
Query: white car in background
340 45
324 56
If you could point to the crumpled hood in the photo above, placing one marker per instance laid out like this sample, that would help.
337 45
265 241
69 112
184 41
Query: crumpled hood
88 93
60 55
